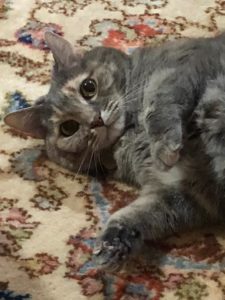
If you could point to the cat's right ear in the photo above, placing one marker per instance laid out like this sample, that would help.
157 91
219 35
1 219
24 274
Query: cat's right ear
27 121
63 52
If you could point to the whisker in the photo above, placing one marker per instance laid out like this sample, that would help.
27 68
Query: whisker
100 163
134 92
138 85
90 163
96 168
82 162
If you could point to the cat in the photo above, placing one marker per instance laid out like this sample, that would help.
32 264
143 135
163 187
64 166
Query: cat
128 89
159 112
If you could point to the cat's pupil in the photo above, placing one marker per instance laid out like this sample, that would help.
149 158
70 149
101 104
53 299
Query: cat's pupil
88 88
68 128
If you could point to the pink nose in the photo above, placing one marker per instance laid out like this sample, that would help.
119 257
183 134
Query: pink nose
97 122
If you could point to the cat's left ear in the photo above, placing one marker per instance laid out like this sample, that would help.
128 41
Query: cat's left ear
27 121
64 54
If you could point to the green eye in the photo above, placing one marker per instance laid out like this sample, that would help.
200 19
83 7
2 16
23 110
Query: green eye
88 88
68 128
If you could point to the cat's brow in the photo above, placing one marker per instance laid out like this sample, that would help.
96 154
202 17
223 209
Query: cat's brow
72 85
70 88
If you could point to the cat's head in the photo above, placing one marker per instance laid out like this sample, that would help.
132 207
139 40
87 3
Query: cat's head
86 92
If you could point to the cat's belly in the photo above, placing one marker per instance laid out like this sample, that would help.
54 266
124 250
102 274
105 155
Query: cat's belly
134 165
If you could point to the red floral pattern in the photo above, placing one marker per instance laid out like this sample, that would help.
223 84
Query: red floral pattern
49 217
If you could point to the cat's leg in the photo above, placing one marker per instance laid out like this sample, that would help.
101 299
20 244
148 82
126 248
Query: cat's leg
169 99
152 216
209 120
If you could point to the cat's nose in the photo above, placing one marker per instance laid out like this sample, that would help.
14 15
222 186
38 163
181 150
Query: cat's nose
97 122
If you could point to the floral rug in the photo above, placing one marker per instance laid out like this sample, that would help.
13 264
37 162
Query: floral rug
48 216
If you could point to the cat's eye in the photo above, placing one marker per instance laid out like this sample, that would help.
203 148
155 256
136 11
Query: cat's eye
88 88
68 128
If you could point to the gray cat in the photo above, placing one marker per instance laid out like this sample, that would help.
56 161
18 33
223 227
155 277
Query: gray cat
161 111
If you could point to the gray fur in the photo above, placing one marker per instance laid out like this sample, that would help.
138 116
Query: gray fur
173 98
188 195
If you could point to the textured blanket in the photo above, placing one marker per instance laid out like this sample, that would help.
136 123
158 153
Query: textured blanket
49 217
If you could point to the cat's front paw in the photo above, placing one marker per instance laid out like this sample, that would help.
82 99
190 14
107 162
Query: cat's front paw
115 245
165 151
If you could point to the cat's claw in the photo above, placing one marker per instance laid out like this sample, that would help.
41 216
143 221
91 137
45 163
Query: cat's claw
114 246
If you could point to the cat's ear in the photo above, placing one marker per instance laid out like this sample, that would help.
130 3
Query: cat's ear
27 121
64 54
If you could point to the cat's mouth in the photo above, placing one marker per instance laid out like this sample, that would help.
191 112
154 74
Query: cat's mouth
105 131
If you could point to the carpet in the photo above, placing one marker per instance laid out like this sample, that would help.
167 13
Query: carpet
49 217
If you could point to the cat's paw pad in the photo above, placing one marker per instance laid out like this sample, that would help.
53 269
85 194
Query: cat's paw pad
166 157
166 152
115 245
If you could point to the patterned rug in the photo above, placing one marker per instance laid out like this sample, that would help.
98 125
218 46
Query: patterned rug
48 216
